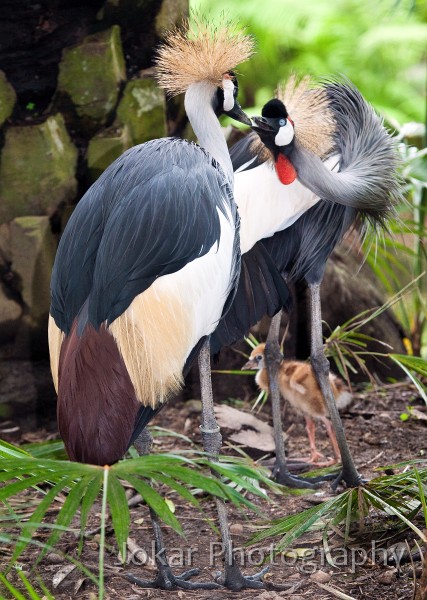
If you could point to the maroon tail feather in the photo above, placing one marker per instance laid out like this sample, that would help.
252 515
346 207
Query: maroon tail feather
97 405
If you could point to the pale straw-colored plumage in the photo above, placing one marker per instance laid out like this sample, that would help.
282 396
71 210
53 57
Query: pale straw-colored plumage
308 107
199 51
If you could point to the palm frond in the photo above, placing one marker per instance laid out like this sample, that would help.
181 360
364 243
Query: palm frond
347 346
29 588
82 484
397 495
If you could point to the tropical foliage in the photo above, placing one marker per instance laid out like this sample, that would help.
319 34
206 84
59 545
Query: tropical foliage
401 496
83 485
379 46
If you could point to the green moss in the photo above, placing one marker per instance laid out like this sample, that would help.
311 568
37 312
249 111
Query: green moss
33 250
37 171
104 148
7 98
90 75
171 13
142 109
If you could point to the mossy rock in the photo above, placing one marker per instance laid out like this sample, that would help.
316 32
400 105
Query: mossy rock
11 309
104 148
142 110
90 75
37 171
4 244
33 249
171 13
10 315
7 98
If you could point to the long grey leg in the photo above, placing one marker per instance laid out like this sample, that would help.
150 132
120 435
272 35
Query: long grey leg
273 358
164 579
320 365
144 442
233 579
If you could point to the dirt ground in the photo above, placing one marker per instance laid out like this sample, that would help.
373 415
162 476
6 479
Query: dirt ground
377 437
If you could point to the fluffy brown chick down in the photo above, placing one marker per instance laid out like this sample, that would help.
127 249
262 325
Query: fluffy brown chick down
298 385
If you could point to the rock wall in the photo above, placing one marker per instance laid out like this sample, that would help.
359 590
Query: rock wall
76 90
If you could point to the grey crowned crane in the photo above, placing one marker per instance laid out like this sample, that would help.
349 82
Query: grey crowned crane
324 163
144 267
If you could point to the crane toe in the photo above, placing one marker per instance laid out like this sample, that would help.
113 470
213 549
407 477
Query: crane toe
282 475
349 478
234 580
166 580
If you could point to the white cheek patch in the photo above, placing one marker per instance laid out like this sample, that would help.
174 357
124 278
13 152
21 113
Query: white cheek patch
285 135
228 87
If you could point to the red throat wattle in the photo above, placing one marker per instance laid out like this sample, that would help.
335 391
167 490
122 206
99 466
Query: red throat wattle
285 170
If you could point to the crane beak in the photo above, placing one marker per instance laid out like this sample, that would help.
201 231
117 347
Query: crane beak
264 125
251 364
237 113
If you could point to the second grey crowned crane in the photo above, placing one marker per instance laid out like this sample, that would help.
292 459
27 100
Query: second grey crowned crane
145 265
323 163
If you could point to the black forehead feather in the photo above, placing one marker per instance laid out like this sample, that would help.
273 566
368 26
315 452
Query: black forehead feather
274 109
235 81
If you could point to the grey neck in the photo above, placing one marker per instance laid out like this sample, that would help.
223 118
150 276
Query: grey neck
198 105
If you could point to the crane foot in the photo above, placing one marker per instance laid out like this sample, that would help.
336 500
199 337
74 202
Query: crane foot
231 579
350 478
282 475
166 580
309 483
234 580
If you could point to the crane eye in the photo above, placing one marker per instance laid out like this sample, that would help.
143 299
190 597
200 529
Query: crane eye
282 122
258 357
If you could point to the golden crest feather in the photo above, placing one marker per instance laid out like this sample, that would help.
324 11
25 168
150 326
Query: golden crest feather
308 108
199 51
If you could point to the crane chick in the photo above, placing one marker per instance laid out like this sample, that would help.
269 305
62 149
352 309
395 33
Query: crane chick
298 385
